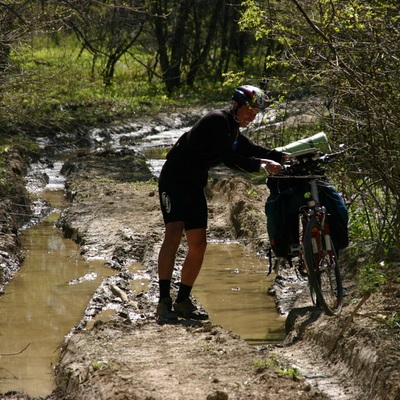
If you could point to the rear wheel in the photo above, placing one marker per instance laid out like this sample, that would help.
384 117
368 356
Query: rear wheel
323 269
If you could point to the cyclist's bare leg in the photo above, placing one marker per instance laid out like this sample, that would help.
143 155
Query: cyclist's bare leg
169 247
197 243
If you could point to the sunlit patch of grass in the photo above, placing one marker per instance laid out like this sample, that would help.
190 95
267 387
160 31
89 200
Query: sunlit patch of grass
372 277
103 364
273 363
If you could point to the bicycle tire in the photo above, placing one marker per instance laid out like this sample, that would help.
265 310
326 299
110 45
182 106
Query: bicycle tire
323 269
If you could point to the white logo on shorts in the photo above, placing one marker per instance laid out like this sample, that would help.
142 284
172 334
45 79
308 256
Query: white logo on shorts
166 202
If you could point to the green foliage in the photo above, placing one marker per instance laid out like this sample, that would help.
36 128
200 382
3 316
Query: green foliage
273 363
102 365
233 79
251 192
346 54
393 321
52 86
361 224
372 277
253 18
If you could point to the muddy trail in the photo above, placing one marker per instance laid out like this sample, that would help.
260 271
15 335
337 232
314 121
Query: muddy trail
113 214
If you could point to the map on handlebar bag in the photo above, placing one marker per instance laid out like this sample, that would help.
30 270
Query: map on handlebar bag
317 142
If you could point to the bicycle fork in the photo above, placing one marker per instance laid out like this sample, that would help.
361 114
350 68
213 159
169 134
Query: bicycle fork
315 210
316 237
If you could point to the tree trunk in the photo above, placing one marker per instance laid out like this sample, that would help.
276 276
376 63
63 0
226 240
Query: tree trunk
171 67
205 50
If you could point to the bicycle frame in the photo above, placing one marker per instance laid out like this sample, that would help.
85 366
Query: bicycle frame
319 255
316 253
313 209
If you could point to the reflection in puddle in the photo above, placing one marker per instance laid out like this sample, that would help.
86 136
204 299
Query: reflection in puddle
232 287
141 280
40 306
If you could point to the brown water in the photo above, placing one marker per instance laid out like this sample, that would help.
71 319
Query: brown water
41 305
232 287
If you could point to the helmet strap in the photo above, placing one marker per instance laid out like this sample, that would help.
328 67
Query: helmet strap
234 109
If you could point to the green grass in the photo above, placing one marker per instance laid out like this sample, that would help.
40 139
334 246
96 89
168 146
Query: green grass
274 364
54 84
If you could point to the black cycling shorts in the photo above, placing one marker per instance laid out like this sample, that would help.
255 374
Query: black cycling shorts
187 204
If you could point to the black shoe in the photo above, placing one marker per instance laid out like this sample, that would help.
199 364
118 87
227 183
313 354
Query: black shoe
186 309
164 311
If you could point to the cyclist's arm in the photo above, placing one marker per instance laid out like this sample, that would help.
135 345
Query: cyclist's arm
247 148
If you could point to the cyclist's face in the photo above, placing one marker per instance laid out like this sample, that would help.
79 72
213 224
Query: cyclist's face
245 115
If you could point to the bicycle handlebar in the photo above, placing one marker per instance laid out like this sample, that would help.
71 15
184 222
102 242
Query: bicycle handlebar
307 164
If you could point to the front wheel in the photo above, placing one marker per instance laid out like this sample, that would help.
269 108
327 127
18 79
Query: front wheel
323 269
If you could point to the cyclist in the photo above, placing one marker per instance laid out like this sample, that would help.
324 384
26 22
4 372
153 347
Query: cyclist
213 140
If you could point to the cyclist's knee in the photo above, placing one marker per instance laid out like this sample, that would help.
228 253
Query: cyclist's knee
197 240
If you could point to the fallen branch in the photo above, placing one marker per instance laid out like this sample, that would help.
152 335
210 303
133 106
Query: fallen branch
14 354
348 322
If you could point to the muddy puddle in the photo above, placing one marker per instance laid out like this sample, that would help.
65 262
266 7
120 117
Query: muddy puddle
46 298
232 287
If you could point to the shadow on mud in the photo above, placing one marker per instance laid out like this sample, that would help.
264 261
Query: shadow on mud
298 320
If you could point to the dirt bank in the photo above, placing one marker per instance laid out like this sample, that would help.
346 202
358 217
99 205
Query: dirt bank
15 211
114 214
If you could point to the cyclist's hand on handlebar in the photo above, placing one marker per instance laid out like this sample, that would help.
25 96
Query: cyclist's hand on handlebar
285 157
271 166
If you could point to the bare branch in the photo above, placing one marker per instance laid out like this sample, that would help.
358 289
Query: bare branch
14 354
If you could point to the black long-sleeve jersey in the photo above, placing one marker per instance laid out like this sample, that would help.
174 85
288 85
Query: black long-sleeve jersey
213 140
